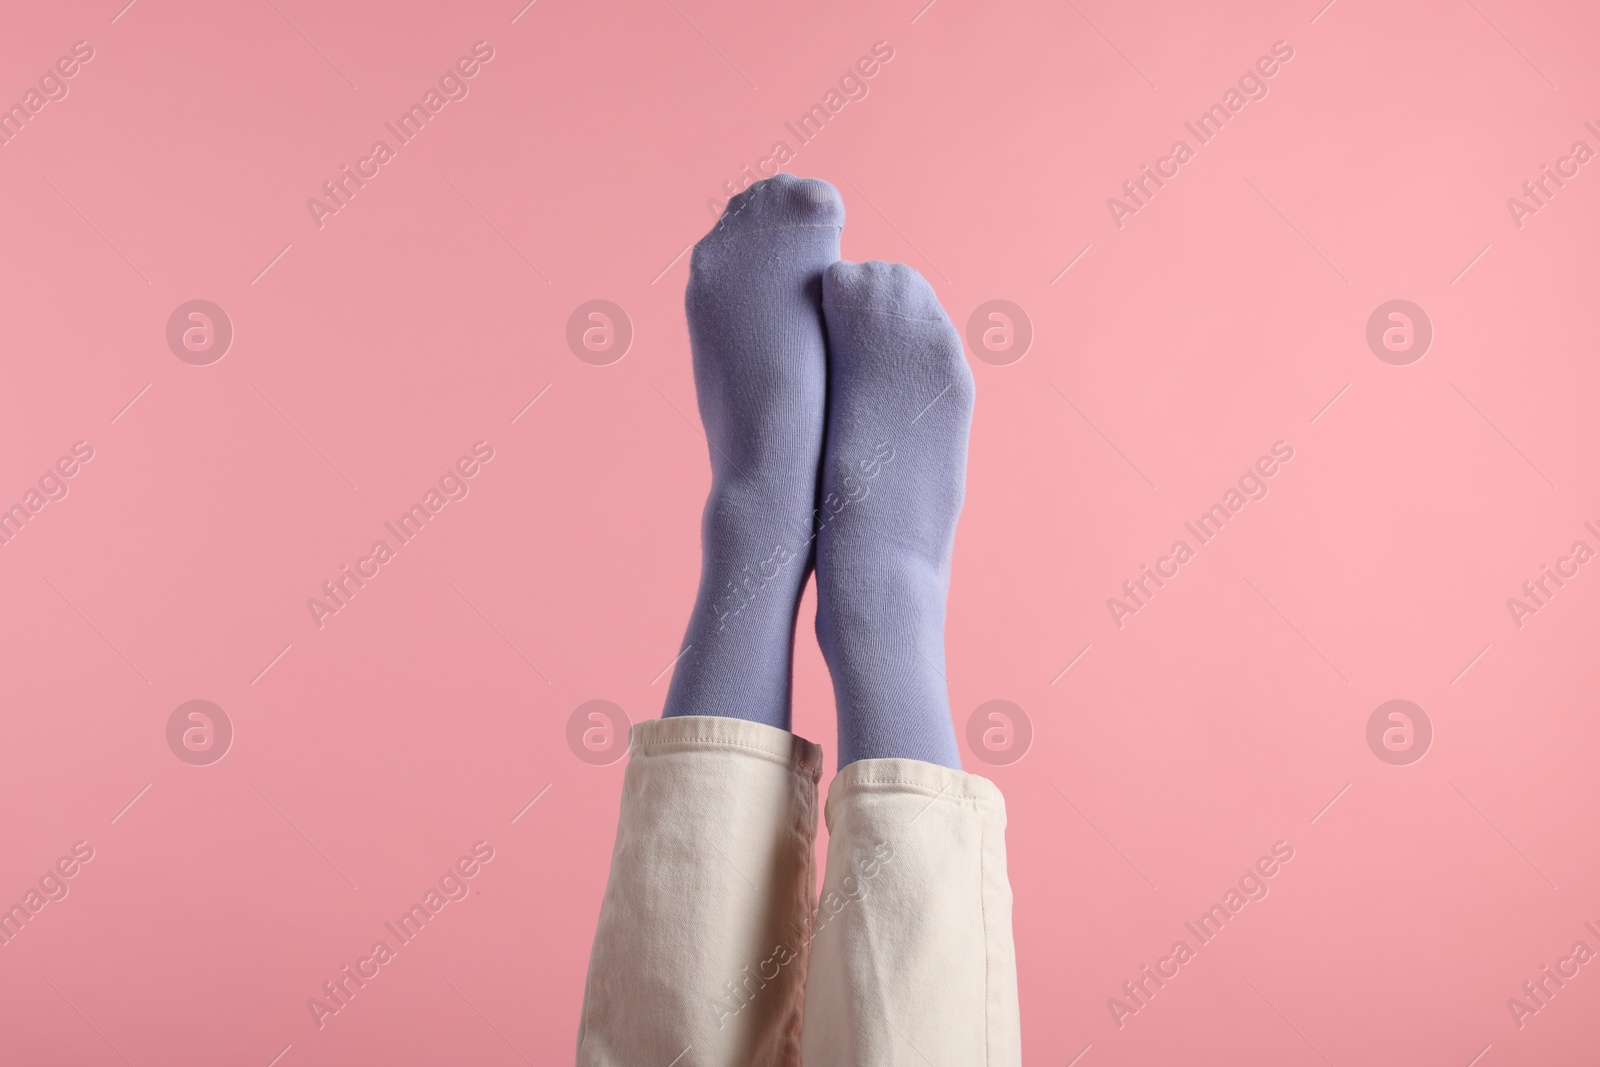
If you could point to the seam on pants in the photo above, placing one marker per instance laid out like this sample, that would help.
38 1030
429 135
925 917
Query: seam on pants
921 787
967 787
809 887
988 955
787 761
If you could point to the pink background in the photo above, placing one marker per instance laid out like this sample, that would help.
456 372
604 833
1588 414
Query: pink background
369 354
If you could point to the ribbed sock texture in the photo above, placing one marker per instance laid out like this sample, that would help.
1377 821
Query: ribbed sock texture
894 474
760 366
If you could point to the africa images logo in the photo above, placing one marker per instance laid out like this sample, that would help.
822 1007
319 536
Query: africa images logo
1252 85
452 86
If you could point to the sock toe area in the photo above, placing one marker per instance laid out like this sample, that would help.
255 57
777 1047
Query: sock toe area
881 288
780 202
887 324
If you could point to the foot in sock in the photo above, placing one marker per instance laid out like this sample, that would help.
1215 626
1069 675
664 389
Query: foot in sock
760 365
894 473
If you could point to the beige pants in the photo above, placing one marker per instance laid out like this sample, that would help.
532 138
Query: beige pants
713 948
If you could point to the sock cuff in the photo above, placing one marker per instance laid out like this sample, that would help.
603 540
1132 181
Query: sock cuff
683 733
916 777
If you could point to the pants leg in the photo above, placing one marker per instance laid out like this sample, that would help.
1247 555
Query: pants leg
912 961
695 960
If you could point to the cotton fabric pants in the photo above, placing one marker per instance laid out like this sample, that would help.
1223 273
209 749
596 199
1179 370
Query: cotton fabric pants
714 948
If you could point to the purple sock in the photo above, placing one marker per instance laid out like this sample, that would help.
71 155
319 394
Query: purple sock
894 474
760 366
